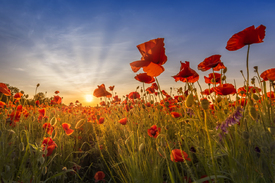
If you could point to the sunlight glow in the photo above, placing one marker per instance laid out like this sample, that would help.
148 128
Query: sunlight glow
89 98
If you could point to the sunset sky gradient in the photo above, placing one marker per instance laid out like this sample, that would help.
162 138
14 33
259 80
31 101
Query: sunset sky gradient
73 46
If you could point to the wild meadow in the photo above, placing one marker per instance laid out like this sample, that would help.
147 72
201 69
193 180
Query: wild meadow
224 133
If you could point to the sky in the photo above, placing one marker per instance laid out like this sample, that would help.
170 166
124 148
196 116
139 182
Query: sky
74 46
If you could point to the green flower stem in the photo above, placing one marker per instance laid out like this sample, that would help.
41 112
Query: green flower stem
144 92
210 144
159 88
200 87
247 70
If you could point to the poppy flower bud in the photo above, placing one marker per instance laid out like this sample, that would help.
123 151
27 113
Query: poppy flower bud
219 99
189 101
27 96
141 147
224 70
253 112
223 78
255 68
253 81
38 85
255 97
241 71
204 104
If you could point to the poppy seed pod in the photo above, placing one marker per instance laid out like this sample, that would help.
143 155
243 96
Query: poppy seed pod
253 112
204 104
255 68
141 147
189 101
224 70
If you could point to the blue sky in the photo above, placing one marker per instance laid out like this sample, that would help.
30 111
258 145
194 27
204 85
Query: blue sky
73 46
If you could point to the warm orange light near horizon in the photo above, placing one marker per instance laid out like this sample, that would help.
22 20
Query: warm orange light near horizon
89 98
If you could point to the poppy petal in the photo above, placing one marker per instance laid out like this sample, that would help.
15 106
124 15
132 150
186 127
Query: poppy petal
69 131
136 65
153 69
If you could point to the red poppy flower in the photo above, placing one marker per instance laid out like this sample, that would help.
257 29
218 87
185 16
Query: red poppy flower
2 104
101 92
175 114
211 77
225 89
242 101
268 75
155 86
179 156
242 90
102 103
50 144
18 96
42 112
134 95
15 116
179 98
186 74
67 129
143 77
150 90
123 121
153 57
247 36
37 103
56 92
100 120
56 100
4 89
19 108
153 131
48 127
111 88
213 61
99 176
116 99
270 95
207 91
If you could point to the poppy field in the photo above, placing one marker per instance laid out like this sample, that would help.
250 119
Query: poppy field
224 133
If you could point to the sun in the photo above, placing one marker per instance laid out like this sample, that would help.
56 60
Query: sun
89 98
